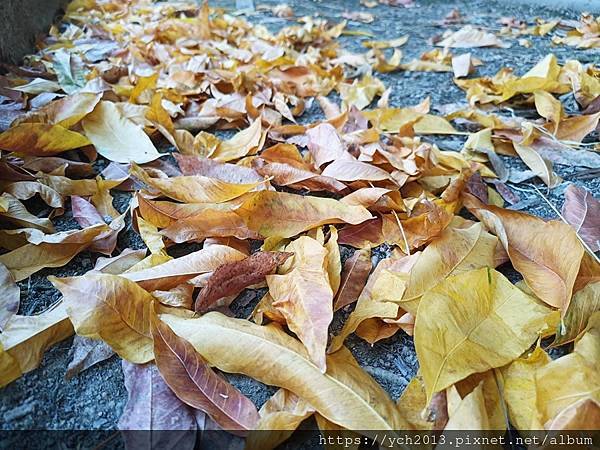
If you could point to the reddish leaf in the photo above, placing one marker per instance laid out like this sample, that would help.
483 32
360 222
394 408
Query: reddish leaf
232 278
582 211
196 384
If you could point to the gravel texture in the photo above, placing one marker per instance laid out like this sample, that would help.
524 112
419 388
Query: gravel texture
44 399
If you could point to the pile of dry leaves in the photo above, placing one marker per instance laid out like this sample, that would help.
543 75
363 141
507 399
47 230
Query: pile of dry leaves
273 202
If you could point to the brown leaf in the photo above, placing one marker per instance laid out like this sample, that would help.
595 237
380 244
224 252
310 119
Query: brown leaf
196 384
296 178
354 277
232 278
582 211
210 223
577 127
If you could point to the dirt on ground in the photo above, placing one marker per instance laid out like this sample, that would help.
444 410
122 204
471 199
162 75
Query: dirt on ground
44 399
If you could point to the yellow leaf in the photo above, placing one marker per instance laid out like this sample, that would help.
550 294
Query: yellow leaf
40 139
520 389
413 404
151 237
173 272
469 413
473 322
334 262
379 297
116 137
304 297
391 43
361 92
572 377
345 395
279 418
430 124
194 188
456 250
547 254
279 214
111 308
245 142
548 107
26 338
584 303
540 166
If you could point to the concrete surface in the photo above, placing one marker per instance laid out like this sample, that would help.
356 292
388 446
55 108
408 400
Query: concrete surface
20 22
43 399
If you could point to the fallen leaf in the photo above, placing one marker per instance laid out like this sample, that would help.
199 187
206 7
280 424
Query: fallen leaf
548 107
576 128
354 277
572 377
462 65
284 215
469 412
40 139
456 250
547 254
325 145
341 395
304 296
280 416
349 170
24 340
11 297
245 142
152 406
582 211
111 308
116 137
232 278
468 37
86 353
194 188
52 250
196 384
231 173
174 272
456 319
583 305
540 166
519 389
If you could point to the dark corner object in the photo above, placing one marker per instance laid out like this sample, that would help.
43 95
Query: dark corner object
21 21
